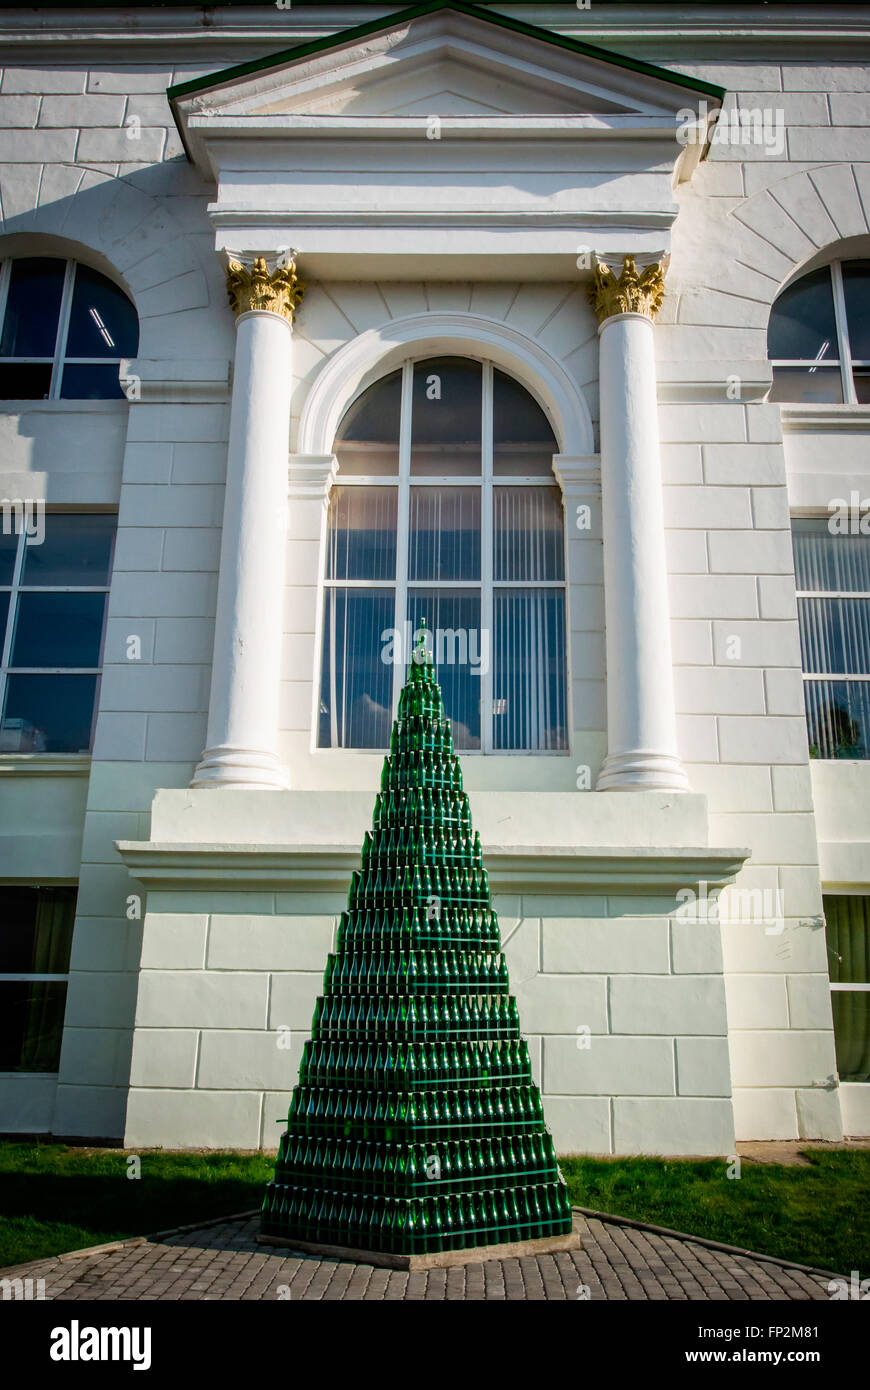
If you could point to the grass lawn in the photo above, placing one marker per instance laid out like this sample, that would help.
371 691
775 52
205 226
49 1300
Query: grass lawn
817 1215
54 1198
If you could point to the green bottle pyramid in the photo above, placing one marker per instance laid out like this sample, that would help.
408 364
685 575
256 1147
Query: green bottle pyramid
416 1125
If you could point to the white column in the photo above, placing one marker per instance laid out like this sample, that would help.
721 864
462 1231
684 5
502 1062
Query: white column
641 721
241 742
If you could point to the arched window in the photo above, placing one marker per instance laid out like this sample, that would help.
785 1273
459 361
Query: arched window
446 510
818 337
65 329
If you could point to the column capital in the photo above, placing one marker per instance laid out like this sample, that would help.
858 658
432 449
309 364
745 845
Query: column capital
255 288
633 291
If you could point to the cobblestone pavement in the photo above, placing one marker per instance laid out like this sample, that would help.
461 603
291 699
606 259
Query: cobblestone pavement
223 1261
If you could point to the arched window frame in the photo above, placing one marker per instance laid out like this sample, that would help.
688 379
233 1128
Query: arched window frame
60 359
844 359
486 481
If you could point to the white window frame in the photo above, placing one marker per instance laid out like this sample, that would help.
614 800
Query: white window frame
486 481
14 589
59 359
844 359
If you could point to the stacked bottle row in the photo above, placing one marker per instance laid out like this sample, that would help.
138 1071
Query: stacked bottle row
424 972
411 1115
404 1066
414 1169
425 1015
418 927
424 807
416 1225
391 846
416 885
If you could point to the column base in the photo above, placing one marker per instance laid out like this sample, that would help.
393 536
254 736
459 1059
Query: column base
242 768
642 771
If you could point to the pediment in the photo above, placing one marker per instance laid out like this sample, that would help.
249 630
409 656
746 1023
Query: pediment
446 61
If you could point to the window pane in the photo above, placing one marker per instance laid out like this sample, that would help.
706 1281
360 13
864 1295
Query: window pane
825 560
4 613
861 378
856 284
367 442
356 692
835 635
528 533
103 322
48 714
361 539
33 308
36 930
25 381
77 549
31 1024
8 546
807 385
802 325
460 650
446 423
444 541
90 381
847 927
851 1011
838 718
529 688
58 630
522 437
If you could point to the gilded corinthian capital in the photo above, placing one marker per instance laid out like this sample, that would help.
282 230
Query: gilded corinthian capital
632 293
275 292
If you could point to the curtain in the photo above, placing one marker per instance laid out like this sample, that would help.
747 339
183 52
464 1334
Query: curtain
848 937
529 696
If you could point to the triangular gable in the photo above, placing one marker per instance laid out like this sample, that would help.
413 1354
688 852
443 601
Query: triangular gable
449 59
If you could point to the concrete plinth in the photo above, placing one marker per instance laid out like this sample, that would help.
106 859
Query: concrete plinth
432 1259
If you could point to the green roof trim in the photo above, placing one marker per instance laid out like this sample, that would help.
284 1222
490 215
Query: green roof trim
501 21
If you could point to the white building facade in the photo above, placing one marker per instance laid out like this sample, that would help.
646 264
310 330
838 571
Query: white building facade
546 325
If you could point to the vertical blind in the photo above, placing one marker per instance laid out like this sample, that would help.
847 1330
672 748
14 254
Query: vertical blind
832 575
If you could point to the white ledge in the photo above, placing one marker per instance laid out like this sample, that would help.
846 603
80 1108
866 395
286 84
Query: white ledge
302 868
804 418
45 764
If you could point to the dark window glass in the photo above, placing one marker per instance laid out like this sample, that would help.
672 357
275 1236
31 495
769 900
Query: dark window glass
31 1024
361 541
367 442
847 928
856 287
838 718
4 613
89 381
522 437
802 325
36 930
77 549
25 381
48 714
356 692
54 629
444 540
8 550
33 308
460 652
446 426
103 322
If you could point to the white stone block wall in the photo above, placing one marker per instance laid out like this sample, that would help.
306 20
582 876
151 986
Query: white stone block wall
90 159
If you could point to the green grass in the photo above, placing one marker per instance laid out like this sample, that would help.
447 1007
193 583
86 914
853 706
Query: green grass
817 1215
55 1198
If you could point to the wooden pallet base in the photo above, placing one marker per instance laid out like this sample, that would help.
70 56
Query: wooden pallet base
432 1259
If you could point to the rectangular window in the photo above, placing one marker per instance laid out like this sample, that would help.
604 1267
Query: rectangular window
53 589
832 575
847 925
36 927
